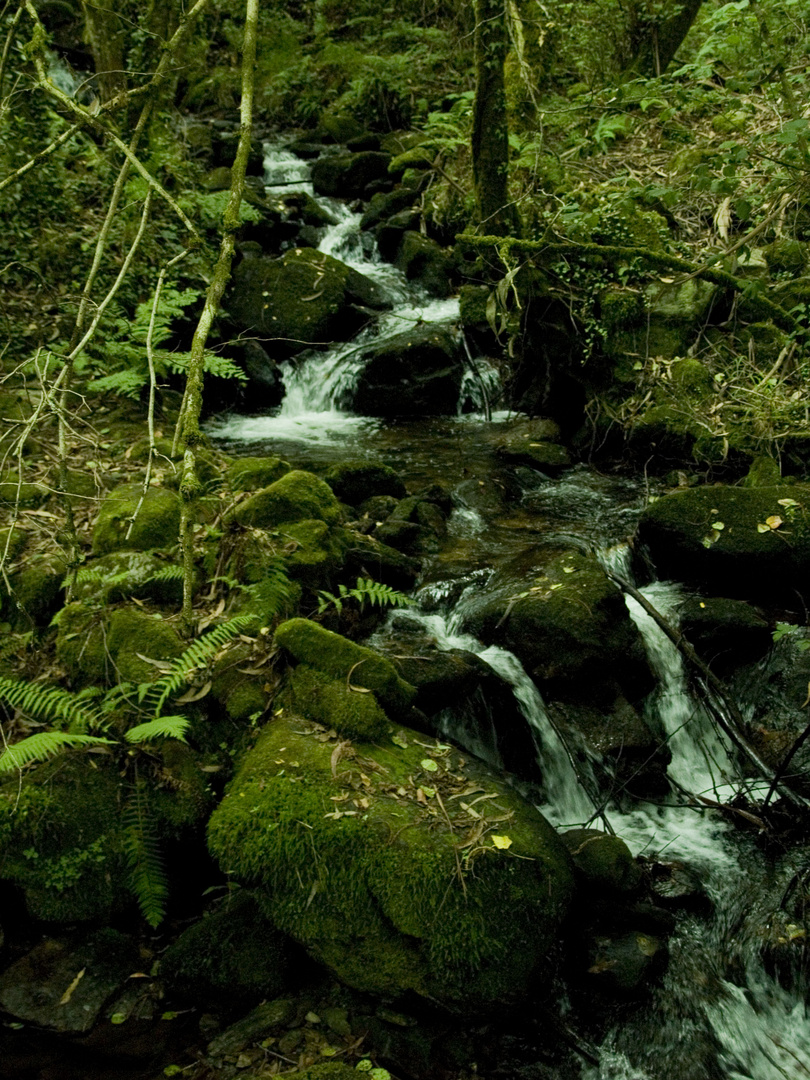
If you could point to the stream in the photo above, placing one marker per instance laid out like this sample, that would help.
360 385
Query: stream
717 1012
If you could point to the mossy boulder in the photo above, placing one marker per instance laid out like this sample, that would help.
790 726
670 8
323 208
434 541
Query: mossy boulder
336 704
384 204
424 262
305 297
252 473
229 959
336 656
725 633
15 491
59 837
296 496
367 557
604 861
569 626
97 647
157 523
353 858
413 374
355 481
741 542
36 591
764 471
521 448
240 693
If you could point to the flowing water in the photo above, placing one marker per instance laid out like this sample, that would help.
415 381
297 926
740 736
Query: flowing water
718 1013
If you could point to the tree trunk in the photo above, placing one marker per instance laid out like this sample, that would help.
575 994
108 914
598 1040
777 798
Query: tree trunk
656 42
106 39
490 135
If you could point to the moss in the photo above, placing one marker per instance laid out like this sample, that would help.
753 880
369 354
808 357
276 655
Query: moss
36 589
14 492
350 862
59 839
157 524
368 557
603 860
309 643
241 695
692 377
251 473
334 704
11 547
123 574
171 465
418 157
472 303
549 457
764 472
295 497
786 256
228 959
94 647
620 308
355 481
319 554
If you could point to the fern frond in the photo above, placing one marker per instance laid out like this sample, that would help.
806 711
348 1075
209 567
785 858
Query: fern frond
44 745
128 383
273 593
213 364
49 704
164 727
147 877
198 654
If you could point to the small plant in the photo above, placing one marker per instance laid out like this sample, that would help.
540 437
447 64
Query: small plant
365 592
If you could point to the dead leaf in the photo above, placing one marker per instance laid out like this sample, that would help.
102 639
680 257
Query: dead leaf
161 665
68 994
194 694
774 521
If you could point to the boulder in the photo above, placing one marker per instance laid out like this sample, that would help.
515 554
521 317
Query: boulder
305 297
95 646
413 374
569 626
425 263
741 542
383 205
346 176
156 525
725 633
534 443
399 896
605 862
253 473
367 557
35 592
355 481
124 574
337 704
295 496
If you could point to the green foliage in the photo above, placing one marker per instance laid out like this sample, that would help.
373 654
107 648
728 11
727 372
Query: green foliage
784 629
147 876
42 746
365 592
49 704
163 727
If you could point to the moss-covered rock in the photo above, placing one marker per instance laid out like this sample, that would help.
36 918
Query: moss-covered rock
423 261
763 472
355 481
304 297
604 861
348 175
743 542
336 656
390 906
36 592
242 695
725 633
413 374
367 557
334 703
157 524
296 496
60 842
16 491
521 449
569 626
228 959
315 552
170 465
252 473
326 1070
97 647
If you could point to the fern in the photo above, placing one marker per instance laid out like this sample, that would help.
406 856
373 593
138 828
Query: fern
48 704
366 591
273 593
147 877
155 695
42 746
163 727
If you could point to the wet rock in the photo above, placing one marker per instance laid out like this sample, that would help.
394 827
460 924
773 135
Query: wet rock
425 263
385 204
569 626
725 633
228 958
377 508
390 233
265 386
305 297
265 1020
625 962
367 557
355 481
385 866
535 443
64 986
602 860
346 176
676 885
413 374
749 543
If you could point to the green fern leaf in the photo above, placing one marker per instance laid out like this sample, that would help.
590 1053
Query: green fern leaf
44 745
49 704
164 727
147 877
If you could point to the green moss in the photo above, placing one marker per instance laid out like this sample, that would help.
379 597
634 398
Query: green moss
418 157
309 643
35 594
124 574
59 839
620 308
241 695
171 465
252 473
14 492
472 303
96 647
355 481
231 956
764 472
692 377
157 524
367 878
332 703
12 546
296 496
603 860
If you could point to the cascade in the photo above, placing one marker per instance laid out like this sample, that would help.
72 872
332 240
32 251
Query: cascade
717 1012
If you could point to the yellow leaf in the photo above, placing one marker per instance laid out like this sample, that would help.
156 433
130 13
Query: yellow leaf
502 842
773 522
763 528
68 994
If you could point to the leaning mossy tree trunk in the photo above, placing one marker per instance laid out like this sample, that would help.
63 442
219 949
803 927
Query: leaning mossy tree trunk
654 41
490 132
188 433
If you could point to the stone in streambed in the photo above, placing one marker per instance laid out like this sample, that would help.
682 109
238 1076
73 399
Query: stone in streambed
418 373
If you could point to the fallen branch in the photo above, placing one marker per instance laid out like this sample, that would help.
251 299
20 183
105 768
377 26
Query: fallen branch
733 727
